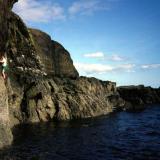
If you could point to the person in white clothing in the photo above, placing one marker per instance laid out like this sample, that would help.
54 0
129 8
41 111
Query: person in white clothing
3 60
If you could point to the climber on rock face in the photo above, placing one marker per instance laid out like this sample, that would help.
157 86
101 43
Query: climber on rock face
3 60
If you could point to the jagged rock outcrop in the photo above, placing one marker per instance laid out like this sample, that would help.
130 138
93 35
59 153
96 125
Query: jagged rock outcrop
137 97
65 99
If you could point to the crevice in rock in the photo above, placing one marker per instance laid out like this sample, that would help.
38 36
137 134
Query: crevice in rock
52 88
23 107
55 101
39 117
24 102
37 97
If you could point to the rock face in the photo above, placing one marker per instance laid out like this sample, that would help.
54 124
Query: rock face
65 99
55 59
137 97
5 131
5 7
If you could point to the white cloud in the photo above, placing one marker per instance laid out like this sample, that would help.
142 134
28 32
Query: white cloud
116 57
45 11
150 66
36 11
93 68
102 69
94 55
126 67
85 7
103 56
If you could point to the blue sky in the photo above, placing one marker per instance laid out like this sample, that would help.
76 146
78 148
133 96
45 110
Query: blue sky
115 40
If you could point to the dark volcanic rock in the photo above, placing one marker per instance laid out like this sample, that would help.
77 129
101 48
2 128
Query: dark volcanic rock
137 97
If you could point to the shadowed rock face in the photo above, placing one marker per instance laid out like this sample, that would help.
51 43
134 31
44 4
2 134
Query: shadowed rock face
5 131
138 96
20 48
5 14
54 58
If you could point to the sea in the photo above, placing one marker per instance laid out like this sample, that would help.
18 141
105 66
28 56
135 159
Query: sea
118 136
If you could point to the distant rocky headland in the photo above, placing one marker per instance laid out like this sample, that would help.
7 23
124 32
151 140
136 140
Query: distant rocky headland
44 85
138 97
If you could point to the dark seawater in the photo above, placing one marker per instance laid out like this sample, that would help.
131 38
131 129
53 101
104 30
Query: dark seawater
119 136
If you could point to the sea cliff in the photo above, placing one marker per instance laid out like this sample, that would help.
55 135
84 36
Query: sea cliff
44 85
